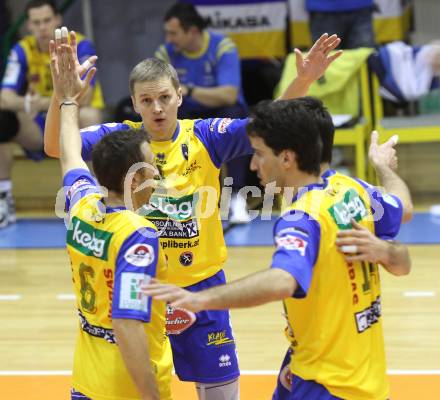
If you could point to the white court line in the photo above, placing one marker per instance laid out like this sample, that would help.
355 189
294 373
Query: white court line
419 294
65 296
10 297
245 372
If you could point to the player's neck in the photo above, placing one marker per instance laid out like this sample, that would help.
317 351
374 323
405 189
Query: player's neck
296 181
114 200
163 136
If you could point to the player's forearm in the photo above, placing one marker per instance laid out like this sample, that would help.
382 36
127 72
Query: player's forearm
397 260
10 100
70 139
51 129
297 88
133 345
219 96
259 288
394 185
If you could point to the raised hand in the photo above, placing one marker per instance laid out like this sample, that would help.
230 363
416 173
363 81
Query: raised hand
383 155
314 64
66 70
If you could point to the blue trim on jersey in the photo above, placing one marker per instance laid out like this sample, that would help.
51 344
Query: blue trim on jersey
20 85
124 266
387 211
224 138
78 183
176 132
92 135
297 236
313 186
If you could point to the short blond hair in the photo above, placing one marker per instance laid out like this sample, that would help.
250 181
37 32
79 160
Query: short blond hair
151 70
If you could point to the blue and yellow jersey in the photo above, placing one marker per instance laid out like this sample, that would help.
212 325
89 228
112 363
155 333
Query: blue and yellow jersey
28 69
216 64
185 208
112 252
335 315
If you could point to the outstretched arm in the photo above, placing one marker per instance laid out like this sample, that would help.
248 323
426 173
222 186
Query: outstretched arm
51 128
311 67
384 160
359 244
259 288
68 89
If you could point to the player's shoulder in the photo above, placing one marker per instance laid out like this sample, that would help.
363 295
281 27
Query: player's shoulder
222 44
131 224
28 44
127 124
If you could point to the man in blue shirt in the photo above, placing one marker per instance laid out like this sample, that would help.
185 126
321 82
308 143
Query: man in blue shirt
208 67
351 20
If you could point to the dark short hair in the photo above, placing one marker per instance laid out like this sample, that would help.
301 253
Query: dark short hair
187 14
325 125
289 125
40 3
114 155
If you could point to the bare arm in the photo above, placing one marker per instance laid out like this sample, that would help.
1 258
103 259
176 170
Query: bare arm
133 345
312 67
34 103
383 158
217 96
359 244
51 128
259 288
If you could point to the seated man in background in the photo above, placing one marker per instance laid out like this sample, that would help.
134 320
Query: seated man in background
25 96
208 67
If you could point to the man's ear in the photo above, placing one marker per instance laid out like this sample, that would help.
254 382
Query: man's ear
288 158
133 101
180 97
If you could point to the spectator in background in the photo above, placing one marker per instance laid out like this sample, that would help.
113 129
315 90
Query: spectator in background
208 66
351 20
25 95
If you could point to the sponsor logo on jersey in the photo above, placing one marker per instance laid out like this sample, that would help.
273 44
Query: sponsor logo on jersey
223 125
224 360
368 317
178 209
88 240
175 244
292 242
219 338
186 259
79 184
97 331
131 296
185 153
140 255
194 166
178 320
351 206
